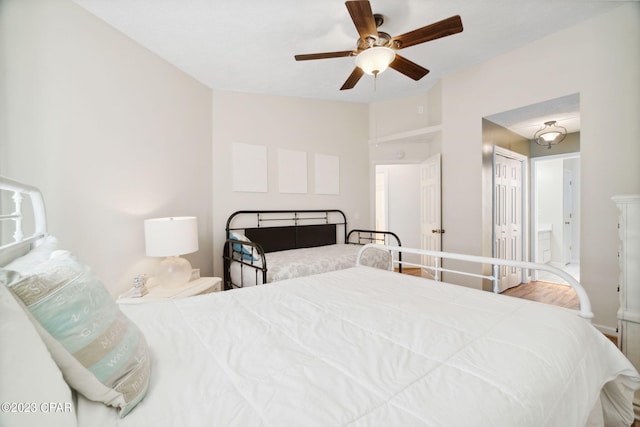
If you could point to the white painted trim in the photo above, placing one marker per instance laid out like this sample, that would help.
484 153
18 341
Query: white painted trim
607 330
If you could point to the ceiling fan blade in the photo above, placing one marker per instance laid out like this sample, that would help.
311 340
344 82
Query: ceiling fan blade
362 17
306 57
353 79
439 29
408 68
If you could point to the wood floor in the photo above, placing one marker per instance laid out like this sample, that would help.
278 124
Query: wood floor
549 293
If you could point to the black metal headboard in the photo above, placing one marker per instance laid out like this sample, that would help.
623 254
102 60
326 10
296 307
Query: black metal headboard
278 230
274 239
259 232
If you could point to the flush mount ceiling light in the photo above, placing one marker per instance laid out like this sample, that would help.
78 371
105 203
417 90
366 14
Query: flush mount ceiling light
550 134
375 60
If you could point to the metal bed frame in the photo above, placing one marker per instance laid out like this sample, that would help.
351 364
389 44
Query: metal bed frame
14 193
496 263
317 228
24 242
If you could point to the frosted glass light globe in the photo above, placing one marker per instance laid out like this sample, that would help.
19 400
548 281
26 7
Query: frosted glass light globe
375 60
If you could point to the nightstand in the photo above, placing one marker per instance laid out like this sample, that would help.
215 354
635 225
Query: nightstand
203 285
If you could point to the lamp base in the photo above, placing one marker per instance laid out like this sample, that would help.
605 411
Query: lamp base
173 272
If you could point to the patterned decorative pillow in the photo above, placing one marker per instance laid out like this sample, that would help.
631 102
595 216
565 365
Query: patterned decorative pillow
246 252
101 353
28 374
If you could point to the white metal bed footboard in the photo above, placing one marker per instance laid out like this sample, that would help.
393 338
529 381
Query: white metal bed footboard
496 263
16 192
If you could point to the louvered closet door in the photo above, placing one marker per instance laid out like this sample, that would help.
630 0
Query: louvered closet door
508 217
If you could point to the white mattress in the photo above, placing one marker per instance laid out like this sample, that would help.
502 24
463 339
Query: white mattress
294 263
367 347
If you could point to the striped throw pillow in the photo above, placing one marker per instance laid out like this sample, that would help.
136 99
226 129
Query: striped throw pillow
101 353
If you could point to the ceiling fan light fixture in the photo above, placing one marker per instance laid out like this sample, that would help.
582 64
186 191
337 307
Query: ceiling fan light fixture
550 134
375 60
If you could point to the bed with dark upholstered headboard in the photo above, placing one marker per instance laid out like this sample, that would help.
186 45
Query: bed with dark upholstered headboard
292 243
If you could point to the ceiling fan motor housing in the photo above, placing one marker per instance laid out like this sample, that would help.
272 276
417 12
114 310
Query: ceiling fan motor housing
382 40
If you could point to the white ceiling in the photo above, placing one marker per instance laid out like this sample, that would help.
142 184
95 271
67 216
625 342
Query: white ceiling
249 46
526 121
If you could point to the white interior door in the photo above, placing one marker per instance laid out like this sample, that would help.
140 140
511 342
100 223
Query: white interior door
430 210
508 217
382 200
567 214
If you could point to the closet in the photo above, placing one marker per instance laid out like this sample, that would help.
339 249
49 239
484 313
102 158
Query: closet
629 282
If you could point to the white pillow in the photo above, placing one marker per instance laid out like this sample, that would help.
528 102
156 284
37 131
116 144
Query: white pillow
245 252
101 353
34 257
29 376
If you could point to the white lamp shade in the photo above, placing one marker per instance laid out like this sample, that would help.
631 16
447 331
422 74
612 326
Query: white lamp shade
375 59
171 236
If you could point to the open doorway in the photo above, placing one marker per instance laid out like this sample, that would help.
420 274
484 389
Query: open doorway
553 233
408 203
555 213
397 201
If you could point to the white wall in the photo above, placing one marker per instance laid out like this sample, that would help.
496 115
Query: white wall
600 60
111 133
322 127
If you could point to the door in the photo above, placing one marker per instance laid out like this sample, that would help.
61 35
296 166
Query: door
382 200
508 217
430 211
567 216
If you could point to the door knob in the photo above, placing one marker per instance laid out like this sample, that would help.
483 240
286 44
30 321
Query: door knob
567 222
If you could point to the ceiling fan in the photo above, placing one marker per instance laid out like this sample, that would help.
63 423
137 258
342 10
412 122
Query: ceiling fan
376 50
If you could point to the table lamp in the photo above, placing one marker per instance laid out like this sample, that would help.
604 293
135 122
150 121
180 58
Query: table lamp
170 238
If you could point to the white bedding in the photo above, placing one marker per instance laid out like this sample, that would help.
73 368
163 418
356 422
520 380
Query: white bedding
367 347
294 263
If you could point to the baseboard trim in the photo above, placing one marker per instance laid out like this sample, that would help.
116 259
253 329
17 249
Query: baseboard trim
606 330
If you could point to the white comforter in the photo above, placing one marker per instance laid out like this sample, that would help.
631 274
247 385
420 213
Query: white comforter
366 347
